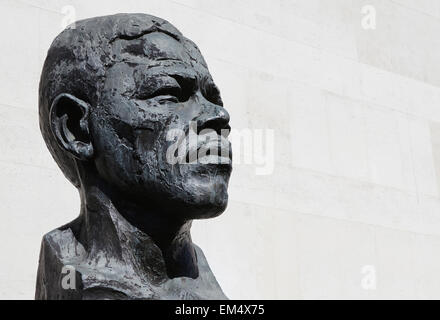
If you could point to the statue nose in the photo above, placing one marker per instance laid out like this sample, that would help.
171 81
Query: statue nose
213 117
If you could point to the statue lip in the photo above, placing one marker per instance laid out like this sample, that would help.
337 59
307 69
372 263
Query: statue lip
220 144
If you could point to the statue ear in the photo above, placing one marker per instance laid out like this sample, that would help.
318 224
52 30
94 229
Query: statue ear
69 121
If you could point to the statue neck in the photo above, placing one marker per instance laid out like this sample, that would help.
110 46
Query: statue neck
135 234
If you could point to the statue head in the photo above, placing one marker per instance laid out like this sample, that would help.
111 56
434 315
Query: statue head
113 93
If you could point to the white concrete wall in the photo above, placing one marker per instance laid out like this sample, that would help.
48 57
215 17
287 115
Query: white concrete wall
356 114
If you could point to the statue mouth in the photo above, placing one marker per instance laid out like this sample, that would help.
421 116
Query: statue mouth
216 151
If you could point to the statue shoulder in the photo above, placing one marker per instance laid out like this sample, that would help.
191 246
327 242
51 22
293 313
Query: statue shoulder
59 250
62 244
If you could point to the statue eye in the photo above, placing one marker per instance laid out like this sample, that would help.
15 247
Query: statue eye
168 98
179 89
172 94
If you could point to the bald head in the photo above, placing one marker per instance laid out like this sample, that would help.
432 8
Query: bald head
79 59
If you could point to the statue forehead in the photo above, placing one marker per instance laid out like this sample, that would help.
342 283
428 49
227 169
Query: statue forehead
155 46
134 38
154 55
128 50
157 54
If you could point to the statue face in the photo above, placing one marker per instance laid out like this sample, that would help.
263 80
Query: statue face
158 85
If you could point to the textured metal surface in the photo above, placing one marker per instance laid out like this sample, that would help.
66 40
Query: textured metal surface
111 90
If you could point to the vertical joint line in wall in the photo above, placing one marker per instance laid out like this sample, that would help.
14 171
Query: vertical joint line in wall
367 150
327 125
412 160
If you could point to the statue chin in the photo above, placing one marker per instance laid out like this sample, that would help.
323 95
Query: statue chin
112 143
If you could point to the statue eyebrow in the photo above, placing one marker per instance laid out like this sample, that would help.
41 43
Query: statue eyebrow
184 76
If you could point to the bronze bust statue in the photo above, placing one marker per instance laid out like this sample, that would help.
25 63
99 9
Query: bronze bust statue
112 91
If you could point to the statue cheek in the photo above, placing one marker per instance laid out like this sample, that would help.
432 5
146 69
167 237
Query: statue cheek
145 140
